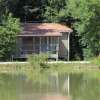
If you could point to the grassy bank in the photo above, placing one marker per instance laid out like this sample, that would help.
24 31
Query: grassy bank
37 72
60 67
39 63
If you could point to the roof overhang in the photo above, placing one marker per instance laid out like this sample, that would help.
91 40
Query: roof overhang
33 34
44 29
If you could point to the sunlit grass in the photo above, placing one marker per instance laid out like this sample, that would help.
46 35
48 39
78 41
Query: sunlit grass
60 67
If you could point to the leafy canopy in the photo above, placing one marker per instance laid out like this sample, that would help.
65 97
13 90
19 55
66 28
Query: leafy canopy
87 15
9 27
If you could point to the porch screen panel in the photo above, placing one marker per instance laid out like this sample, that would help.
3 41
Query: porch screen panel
53 44
27 45
43 44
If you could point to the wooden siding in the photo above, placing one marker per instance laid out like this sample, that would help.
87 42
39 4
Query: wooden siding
63 46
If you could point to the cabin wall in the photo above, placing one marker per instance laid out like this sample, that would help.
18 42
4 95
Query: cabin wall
63 46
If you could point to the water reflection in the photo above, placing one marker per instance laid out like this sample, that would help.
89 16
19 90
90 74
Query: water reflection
58 86
84 88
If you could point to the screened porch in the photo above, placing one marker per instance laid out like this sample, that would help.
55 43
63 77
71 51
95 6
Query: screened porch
36 45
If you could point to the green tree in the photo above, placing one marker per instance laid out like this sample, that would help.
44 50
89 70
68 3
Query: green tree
26 10
86 14
54 10
9 27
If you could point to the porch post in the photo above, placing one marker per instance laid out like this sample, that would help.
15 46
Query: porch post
68 46
40 45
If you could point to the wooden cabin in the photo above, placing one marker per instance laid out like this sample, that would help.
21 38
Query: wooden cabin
38 38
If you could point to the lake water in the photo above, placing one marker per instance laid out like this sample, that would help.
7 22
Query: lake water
55 87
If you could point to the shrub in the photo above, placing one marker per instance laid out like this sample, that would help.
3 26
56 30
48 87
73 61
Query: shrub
96 61
38 60
9 28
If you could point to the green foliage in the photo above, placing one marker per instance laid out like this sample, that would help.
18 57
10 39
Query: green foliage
87 53
54 10
38 61
86 15
9 27
96 61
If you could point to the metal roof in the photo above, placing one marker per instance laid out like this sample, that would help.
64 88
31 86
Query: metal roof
43 29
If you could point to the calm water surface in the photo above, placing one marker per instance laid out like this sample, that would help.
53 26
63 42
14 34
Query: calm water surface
63 86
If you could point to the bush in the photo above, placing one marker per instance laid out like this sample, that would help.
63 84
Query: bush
38 60
96 61
9 28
